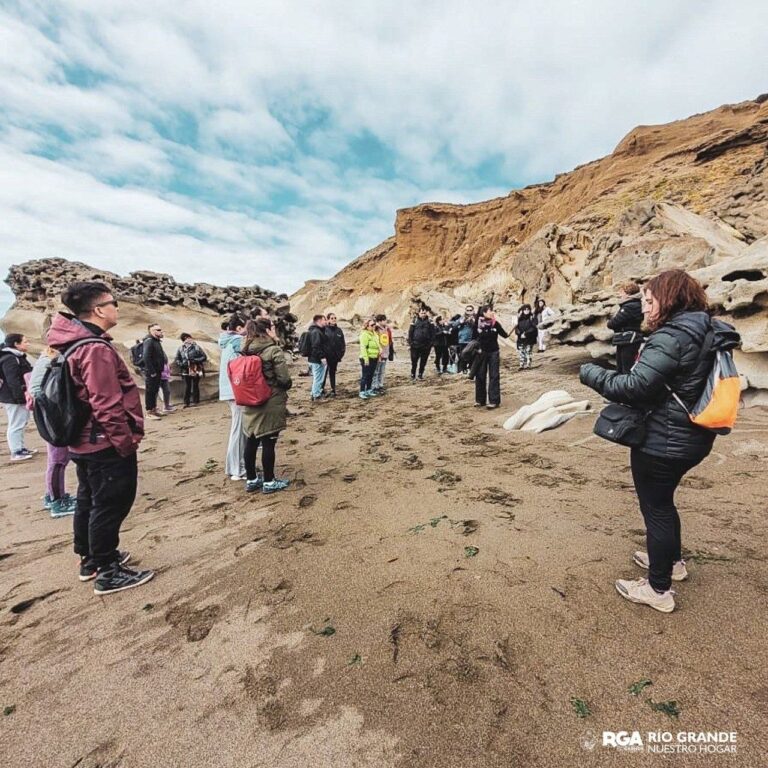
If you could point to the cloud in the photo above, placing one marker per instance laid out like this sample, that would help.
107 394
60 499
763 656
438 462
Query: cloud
218 140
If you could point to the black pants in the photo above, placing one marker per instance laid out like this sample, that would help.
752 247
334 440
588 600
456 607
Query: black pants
330 373
463 364
626 354
656 481
268 443
367 372
150 394
419 357
191 390
441 358
106 490
488 371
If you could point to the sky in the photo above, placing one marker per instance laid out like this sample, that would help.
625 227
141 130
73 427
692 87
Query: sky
272 142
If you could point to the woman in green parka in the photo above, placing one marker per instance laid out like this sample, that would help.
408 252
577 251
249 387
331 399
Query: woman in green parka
262 424
370 351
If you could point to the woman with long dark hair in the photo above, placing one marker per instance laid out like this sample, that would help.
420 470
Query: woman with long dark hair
262 424
674 363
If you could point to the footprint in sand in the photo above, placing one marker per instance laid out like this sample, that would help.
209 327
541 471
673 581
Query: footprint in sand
195 623
413 462
445 479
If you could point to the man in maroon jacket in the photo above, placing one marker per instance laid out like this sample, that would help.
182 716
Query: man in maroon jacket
105 453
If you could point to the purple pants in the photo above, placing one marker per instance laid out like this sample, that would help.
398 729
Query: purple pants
58 458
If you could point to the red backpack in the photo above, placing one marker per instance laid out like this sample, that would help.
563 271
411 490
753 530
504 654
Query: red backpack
247 378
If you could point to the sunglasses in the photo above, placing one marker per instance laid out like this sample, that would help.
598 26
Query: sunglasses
105 303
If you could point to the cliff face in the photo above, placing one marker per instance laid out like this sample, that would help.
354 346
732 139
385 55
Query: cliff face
145 297
564 238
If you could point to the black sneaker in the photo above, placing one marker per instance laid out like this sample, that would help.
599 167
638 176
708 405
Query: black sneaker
118 578
88 569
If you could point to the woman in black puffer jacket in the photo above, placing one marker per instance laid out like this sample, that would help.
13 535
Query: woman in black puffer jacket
674 305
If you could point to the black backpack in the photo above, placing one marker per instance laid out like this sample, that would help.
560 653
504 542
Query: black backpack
59 414
137 354
305 347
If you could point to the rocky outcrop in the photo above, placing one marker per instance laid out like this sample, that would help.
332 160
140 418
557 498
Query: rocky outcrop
145 297
737 288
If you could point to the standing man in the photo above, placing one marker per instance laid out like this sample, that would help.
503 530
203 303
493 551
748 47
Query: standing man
317 355
105 453
336 346
421 336
155 361
466 329
14 366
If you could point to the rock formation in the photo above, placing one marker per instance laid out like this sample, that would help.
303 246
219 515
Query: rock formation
690 194
145 297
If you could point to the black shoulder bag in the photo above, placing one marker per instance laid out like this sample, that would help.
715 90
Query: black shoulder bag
621 424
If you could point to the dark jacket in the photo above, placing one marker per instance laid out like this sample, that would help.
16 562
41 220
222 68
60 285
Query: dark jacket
442 335
317 344
13 366
487 333
153 356
526 330
271 417
671 357
190 357
421 334
629 317
335 344
103 381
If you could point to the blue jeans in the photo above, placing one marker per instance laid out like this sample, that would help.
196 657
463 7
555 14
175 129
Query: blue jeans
318 375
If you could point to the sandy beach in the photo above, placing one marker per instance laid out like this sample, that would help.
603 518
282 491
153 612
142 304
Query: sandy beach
432 591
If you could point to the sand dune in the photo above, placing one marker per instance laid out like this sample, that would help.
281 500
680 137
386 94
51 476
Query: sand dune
432 591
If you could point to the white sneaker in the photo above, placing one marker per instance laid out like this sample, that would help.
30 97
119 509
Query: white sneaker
237 478
640 591
679 572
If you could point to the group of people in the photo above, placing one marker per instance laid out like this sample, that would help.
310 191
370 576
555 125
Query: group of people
150 359
469 343
661 375
254 426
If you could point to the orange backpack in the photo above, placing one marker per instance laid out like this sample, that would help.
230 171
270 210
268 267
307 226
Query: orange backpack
717 407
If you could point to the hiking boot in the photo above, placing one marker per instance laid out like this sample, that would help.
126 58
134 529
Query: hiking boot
20 456
679 571
275 485
117 578
61 508
88 569
255 484
640 591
